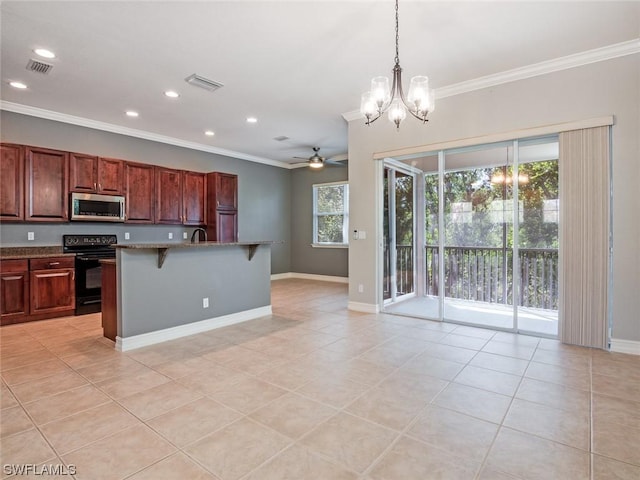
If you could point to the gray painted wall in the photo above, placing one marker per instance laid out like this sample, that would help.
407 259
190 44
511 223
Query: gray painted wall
264 192
605 88
153 298
305 258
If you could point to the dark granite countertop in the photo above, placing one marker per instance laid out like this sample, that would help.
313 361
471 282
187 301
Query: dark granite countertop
20 253
141 246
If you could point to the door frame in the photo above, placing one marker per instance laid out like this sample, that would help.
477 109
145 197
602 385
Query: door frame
418 233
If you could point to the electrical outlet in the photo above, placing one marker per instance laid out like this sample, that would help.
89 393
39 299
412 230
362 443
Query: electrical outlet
205 302
170 236
184 235
31 236
360 288
127 236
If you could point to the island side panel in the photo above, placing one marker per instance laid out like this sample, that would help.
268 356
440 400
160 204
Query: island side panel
152 298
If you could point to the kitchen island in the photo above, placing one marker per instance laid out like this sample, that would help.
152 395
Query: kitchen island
171 290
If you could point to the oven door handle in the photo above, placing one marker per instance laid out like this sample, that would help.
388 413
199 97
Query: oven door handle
87 259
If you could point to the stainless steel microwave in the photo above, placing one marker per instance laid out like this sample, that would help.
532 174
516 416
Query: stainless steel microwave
92 207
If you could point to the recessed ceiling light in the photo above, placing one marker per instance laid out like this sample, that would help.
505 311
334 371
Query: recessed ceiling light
171 94
19 85
43 52
252 120
131 113
209 133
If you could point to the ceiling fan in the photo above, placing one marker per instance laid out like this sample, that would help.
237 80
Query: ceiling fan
316 161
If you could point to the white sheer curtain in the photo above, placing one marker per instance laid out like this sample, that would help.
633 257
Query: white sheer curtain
584 236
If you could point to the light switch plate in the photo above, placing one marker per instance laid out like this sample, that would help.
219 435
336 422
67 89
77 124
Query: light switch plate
31 236
127 235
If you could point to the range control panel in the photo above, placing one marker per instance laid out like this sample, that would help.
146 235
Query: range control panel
89 240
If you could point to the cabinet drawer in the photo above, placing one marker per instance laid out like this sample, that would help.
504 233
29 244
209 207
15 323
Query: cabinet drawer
52 263
9 266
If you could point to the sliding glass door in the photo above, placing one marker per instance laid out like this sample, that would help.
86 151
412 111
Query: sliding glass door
537 236
399 256
488 230
478 232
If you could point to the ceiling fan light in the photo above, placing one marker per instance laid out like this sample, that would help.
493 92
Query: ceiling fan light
316 163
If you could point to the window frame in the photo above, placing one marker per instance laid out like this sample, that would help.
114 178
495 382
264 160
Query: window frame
345 215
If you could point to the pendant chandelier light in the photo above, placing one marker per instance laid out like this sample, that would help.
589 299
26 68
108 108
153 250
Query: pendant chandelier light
419 102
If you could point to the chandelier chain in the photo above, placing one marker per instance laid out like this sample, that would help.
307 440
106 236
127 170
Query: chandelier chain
397 37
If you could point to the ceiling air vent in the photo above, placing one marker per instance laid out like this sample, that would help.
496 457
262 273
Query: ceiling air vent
38 66
198 81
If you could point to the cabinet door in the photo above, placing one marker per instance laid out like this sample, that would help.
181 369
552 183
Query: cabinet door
226 191
110 176
195 193
47 181
168 195
52 290
139 192
11 182
83 173
14 297
226 226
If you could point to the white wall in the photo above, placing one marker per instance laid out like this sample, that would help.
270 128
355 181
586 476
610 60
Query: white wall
606 88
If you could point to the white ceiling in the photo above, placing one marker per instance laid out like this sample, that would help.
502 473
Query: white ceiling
297 66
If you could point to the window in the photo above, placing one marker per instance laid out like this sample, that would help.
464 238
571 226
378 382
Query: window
331 214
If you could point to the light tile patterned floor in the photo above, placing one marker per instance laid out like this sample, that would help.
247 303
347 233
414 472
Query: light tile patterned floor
317 392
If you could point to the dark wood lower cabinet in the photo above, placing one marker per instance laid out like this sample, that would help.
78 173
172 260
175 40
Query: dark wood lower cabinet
109 299
14 291
36 289
52 282
226 226
52 291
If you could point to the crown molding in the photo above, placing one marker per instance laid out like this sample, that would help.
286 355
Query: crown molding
131 132
542 68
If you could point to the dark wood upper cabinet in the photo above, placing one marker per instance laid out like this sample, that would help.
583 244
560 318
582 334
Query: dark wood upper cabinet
139 188
225 190
46 185
110 176
168 196
96 174
83 173
222 207
194 198
11 182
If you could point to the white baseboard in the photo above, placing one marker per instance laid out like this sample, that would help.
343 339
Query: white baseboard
363 307
151 338
310 276
625 346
